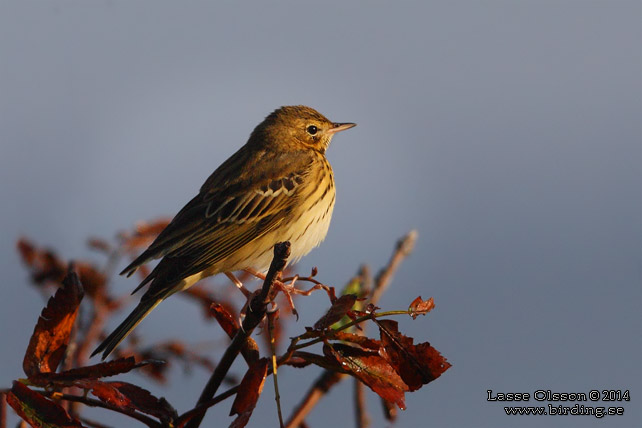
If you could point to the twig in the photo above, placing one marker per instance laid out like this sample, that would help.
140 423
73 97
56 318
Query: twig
201 408
404 247
326 381
389 410
361 414
277 395
366 279
256 312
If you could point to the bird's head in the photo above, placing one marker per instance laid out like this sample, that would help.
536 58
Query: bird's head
296 128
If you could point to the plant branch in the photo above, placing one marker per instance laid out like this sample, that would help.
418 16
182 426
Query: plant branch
402 250
326 381
201 408
361 414
256 312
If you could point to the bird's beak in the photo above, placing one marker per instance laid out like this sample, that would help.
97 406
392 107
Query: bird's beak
338 127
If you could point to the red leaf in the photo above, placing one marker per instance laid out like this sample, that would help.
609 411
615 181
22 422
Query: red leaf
143 234
127 396
51 334
298 361
109 368
372 369
420 307
93 281
26 250
45 264
301 359
228 322
241 420
416 364
47 268
37 410
99 244
339 308
250 388
363 341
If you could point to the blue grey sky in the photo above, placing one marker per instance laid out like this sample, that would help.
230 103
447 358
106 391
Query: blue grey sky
507 133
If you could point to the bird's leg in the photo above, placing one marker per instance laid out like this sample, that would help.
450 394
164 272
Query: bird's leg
254 272
245 292
287 289
238 284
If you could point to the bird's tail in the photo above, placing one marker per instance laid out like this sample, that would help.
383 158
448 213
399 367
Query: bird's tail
121 332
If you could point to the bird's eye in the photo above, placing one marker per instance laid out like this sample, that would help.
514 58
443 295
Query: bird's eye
312 129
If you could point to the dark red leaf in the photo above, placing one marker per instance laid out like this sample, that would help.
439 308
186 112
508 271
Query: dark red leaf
297 362
26 250
99 244
372 369
203 296
3 410
109 368
363 341
93 281
37 410
51 334
420 307
339 308
127 396
45 264
143 234
241 420
228 322
416 364
301 359
250 388
47 268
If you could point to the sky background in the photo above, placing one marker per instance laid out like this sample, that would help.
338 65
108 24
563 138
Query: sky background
507 133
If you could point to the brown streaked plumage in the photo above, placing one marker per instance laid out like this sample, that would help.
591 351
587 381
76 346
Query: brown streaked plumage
278 187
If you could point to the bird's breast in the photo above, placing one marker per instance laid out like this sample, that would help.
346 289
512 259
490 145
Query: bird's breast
311 217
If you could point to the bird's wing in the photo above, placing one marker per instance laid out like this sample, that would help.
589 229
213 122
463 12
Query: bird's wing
246 197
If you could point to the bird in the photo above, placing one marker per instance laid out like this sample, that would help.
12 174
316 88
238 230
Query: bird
277 187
